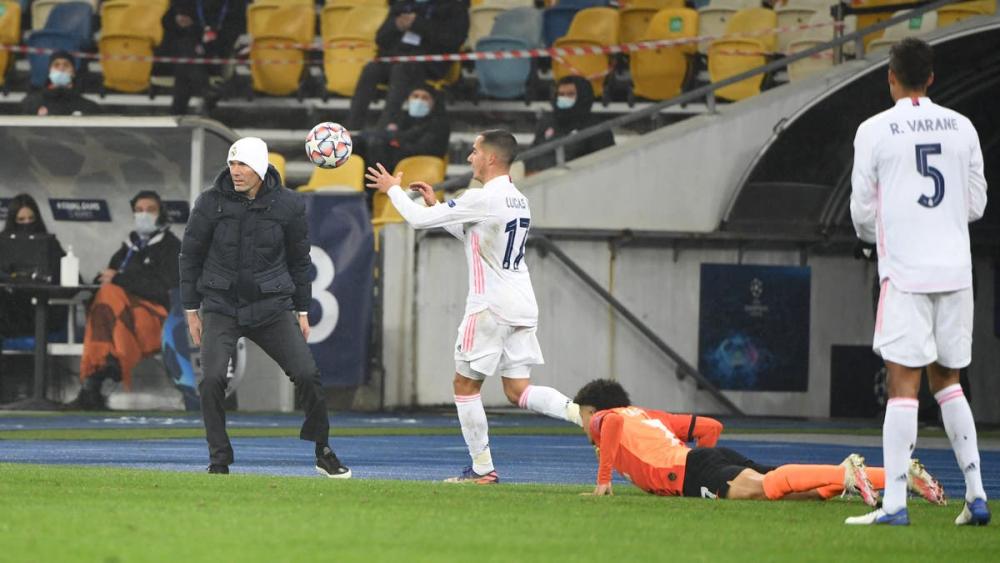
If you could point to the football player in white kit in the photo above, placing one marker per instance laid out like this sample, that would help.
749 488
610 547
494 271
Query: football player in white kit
497 335
917 184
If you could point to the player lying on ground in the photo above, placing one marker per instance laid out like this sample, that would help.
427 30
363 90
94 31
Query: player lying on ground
648 448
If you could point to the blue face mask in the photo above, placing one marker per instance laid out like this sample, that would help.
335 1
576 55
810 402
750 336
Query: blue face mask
60 78
565 102
419 108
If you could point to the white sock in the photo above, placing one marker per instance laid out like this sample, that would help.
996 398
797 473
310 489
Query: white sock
899 437
550 402
961 430
476 431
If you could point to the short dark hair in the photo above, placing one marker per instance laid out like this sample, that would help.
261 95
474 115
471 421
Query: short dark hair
161 220
912 61
502 142
602 394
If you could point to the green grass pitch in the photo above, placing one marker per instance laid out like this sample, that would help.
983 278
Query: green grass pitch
119 515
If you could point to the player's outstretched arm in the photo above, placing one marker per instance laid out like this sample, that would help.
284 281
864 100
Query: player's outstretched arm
470 208
610 438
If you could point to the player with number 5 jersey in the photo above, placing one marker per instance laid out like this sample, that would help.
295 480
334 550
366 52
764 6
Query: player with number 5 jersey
497 334
917 183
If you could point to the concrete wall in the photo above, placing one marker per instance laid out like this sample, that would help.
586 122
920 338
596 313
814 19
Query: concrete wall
583 339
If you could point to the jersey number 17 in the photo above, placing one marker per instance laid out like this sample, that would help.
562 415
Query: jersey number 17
511 229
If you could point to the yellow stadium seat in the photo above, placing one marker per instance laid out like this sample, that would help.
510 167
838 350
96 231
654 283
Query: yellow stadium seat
660 74
954 13
272 29
754 21
125 75
654 4
278 161
10 33
728 57
345 20
632 23
128 17
591 27
481 22
347 53
866 20
917 25
349 176
453 75
430 169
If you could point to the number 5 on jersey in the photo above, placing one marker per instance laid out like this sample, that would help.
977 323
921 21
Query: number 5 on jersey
926 170
511 231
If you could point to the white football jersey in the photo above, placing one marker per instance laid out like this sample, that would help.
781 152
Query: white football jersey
916 185
493 222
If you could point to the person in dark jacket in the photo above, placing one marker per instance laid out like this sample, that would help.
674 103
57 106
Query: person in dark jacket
125 320
571 112
59 96
423 130
413 27
244 268
200 28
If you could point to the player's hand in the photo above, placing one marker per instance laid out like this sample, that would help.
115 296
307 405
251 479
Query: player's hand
600 491
380 179
426 190
194 327
304 326
106 275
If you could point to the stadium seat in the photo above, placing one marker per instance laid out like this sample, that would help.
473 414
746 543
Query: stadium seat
660 74
713 19
523 23
812 37
866 20
278 161
44 39
125 75
954 13
40 10
347 20
128 17
728 57
72 18
591 27
345 55
634 16
272 28
794 13
583 4
481 20
10 33
556 21
917 25
755 21
348 176
655 4
504 79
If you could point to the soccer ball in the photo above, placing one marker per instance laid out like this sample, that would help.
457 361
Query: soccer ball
328 145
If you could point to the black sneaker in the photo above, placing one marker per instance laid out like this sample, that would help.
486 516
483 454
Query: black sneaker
218 469
89 399
328 465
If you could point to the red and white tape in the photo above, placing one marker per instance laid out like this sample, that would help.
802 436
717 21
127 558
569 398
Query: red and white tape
558 53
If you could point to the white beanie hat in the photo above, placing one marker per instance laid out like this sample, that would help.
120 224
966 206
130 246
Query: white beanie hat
251 151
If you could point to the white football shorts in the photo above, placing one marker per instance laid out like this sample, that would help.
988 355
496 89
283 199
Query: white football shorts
917 329
486 347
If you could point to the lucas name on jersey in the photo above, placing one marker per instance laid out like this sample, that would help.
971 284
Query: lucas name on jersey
516 203
925 125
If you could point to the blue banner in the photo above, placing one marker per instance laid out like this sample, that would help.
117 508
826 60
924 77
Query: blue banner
79 209
754 327
343 257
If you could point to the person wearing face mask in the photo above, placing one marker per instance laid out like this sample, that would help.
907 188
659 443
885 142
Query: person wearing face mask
60 96
17 317
125 319
423 129
571 112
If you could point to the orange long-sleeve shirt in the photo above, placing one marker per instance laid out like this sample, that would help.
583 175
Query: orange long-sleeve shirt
648 447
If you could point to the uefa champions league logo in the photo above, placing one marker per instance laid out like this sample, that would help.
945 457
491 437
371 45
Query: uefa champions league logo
756 289
756 308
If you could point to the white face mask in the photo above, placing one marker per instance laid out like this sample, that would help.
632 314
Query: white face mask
145 223
565 102
419 108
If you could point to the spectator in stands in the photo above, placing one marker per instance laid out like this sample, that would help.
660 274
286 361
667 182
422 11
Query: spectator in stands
422 130
200 28
570 113
17 317
413 27
60 96
125 321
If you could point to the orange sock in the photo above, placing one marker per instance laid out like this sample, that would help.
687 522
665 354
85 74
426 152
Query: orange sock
801 478
875 474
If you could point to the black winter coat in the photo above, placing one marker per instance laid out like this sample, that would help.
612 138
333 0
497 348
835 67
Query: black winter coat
441 24
59 101
246 258
151 269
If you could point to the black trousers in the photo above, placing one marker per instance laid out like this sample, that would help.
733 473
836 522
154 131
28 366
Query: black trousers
402 79
282 340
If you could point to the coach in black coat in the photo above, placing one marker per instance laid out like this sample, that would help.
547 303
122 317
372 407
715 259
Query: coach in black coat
245 265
